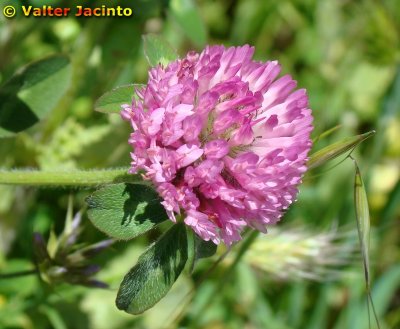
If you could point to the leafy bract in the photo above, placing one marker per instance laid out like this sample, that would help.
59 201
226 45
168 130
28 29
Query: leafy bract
125 211
157 50
155 273
111 101
203 248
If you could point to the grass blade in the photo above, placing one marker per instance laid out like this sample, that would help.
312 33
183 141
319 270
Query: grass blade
326 133
363 228
336 149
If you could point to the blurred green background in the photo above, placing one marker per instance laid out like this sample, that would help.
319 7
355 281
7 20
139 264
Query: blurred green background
307 272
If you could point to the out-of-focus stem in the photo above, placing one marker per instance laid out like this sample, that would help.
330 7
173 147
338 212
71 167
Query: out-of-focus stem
17 274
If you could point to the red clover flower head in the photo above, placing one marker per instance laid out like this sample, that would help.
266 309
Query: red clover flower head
223 140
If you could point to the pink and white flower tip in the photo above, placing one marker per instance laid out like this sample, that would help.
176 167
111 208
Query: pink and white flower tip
223 140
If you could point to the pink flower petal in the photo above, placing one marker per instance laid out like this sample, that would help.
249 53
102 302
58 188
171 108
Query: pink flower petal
188 154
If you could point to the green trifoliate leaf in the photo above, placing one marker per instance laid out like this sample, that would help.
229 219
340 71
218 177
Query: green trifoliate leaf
32 93
111 101
155 273
125 211
158 50
336 149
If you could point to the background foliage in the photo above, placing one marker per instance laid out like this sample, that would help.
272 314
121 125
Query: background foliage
346 53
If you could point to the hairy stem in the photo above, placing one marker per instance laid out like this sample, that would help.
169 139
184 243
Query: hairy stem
68 178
